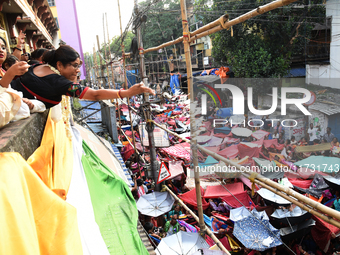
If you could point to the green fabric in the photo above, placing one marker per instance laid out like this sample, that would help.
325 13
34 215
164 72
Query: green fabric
321 163
176 229
114 207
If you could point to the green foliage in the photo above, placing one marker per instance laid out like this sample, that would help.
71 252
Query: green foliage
116 43
264 45
163 23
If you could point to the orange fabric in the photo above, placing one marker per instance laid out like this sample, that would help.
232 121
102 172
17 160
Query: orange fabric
53 160
33 219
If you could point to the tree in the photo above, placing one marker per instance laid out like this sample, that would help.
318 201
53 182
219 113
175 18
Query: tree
264 45
163 22
115 45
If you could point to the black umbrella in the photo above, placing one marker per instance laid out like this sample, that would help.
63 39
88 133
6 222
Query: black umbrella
286 217
296 231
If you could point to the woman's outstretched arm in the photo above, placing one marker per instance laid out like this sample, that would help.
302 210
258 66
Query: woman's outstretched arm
103 94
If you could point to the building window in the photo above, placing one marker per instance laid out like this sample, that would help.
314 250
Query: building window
51 2
56 21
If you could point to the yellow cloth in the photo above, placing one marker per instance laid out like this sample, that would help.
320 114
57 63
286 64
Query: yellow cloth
53 160
33 219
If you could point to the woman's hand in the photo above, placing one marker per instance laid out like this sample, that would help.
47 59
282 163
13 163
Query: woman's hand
21 39
18 68
28 102
137 89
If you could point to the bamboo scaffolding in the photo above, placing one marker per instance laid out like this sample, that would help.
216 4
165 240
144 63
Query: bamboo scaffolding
258 11
192 117
301 205
222 23
105 55
210 234
128 98
261 180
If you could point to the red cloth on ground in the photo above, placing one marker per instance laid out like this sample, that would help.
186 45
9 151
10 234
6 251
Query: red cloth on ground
244 150
179 150
273 143
230 140
225 243
304 184
190 198
322 232
229 152
219 191
127 151
221 135
213 148
242 197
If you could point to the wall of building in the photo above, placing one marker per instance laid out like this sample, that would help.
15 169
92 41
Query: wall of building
329 75
69 27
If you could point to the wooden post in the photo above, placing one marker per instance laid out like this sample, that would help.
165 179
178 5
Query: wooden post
192 117
101 67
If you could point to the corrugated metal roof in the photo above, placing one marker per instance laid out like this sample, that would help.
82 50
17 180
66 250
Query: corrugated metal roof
328 109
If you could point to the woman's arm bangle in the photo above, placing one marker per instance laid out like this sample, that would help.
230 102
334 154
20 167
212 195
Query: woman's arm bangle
119 95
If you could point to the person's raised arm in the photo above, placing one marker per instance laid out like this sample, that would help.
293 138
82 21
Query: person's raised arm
17 69
21 41
103 94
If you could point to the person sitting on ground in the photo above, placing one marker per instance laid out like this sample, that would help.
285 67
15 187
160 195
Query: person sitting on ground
172 226
176 211
275 134
293 141
139 187
48 82
281 139
150 228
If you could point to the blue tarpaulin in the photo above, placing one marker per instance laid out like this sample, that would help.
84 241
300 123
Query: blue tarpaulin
131 77
224 112
174 83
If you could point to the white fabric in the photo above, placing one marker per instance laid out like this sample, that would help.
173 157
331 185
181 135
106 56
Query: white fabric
79 197
181 243
267 194
312 134
239 213
56 114
38 106
267 241
10 103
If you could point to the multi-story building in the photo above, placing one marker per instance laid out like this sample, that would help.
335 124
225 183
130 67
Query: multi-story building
66 18
33 17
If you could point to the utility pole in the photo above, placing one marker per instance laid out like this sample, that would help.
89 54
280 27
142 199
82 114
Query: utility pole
105 55
149 125
101 67
186 42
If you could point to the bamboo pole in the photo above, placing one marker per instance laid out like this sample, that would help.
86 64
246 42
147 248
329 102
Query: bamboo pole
192 117
212 24
210 234
126 87
301 205
105 55
261 179
253 13
101 67
210 29
96 66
